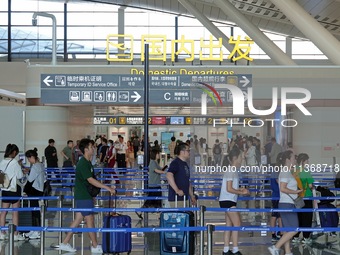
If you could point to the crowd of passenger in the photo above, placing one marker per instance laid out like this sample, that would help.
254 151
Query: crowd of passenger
286 186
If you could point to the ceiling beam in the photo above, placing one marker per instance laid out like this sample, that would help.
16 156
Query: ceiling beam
272 50
311 28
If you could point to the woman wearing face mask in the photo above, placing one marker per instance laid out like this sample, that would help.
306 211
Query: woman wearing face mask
11 167
288 191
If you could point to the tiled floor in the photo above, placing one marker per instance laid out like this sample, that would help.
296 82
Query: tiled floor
148 244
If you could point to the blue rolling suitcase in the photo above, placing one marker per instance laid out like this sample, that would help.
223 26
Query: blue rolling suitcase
177 242
116 242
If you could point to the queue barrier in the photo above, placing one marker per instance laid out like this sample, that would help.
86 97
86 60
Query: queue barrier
176 229
209 228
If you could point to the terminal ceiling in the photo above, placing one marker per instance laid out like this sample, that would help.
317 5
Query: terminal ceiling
262 13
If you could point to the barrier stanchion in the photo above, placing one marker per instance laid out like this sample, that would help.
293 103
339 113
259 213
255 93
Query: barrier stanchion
146 219
82 224
42 232
99 204
73 217
203 208
211 229
60 234
11 229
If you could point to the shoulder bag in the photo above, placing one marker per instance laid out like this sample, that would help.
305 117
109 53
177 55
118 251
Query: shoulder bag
298 202
5 182
93 190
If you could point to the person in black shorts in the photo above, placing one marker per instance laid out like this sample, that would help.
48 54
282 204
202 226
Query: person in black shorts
12 169
228 199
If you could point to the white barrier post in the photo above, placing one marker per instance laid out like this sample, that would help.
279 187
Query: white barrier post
42 232
61 198
211 229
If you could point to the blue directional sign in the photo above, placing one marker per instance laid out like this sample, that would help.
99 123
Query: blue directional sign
128 89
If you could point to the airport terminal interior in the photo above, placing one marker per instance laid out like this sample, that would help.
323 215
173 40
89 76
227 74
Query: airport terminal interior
215 74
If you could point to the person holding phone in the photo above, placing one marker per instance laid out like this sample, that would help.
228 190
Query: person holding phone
288 192
230 191
155 172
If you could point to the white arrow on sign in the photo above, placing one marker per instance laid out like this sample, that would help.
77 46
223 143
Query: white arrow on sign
136 96
245 81
47 81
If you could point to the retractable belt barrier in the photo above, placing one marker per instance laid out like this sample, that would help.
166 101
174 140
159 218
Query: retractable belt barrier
202 228
125 174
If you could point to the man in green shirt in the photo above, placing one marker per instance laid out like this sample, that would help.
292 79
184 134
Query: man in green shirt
67 154
84 177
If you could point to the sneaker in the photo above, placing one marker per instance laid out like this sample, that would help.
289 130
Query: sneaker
275 238
333 234
98 249
273 250
19 237
66 247
27 235
35 235
3 236
296 240
307 240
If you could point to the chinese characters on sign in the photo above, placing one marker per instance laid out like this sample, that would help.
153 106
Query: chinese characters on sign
120 48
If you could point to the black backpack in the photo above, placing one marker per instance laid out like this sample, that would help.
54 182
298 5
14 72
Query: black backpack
325 192
217 149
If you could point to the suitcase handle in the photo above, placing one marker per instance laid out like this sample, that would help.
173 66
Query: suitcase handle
115 205
184 201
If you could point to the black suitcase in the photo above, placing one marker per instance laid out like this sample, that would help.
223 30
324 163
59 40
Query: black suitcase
25 217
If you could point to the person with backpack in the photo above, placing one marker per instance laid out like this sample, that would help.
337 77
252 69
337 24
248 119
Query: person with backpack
217 152
83 199
10 166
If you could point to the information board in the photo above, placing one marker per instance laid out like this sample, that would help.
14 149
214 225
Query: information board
170 120
114 89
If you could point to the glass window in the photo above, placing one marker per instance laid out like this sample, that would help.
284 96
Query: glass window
90 23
